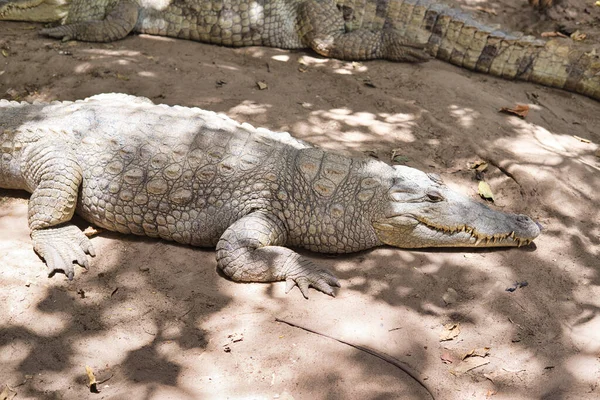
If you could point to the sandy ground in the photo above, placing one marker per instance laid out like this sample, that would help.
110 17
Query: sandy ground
160 322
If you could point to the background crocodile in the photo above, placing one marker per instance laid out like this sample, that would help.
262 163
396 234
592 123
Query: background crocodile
198 178
345 29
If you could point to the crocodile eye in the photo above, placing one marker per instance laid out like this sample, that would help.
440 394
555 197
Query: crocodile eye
434 196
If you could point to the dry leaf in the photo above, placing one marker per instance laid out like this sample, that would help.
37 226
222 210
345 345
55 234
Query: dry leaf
478 165
302 67
7 393
450 332
262 85
398 158
485 191
468 364
371 153
447 358
487 10
578 36
520 110
553 34
581 139
91 231
4 53
490 393
91 379
481 352
122 77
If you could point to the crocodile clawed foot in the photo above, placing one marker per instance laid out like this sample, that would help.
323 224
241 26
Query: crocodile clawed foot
56 33
318 278
61 247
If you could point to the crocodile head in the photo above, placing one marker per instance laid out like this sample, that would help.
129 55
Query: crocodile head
34 10
423 212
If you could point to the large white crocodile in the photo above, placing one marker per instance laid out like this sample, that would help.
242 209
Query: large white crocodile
200 178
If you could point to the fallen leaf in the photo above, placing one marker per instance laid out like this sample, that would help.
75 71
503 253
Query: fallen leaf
302 67
490 393
553 34
450 332
122 77
262 85
520 110
447 358
481 352
478 165
371 153
91 231
91 379
584 140
468 364
7 393
450 297
4 53
485 191
369 83
398 158
486 10
597 4
578 36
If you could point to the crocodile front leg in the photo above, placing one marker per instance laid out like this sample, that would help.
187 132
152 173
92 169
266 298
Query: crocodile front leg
53 176
117 24
322 28
251 250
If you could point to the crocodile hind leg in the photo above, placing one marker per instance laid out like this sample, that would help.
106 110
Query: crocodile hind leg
322 28
117 24
53 176
251 250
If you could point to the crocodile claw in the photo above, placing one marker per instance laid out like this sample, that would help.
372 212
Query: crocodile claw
62 247
320 279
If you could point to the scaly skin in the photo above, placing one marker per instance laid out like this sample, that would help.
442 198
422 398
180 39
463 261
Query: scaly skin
199 178
399 30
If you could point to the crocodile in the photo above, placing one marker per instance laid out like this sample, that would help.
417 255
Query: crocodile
199 178
398 30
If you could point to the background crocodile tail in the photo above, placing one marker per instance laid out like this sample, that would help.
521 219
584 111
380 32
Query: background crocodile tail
455 36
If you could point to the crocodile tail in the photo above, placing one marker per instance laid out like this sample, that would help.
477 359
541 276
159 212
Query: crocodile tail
455 36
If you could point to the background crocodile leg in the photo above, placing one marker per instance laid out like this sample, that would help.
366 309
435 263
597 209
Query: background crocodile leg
117 24
322 28
251 250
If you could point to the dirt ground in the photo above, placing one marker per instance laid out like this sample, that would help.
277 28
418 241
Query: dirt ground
159 322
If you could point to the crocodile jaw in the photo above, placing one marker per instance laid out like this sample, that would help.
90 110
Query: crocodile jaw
34 10
421 211
414 232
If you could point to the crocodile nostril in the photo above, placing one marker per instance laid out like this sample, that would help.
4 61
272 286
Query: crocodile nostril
523 218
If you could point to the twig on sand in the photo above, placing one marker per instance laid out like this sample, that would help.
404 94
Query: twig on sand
385 357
